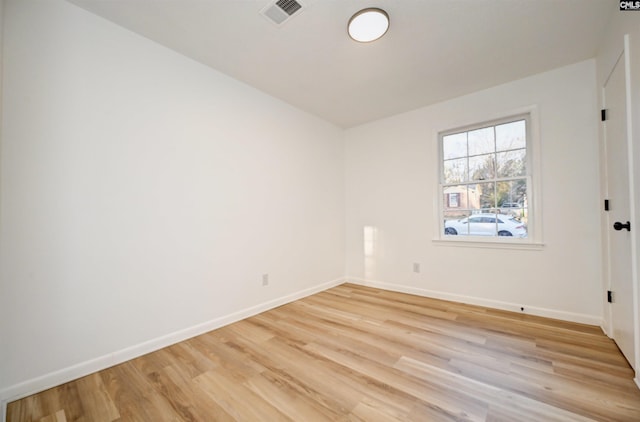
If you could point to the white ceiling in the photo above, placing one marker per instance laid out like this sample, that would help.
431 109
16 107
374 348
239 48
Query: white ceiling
434 50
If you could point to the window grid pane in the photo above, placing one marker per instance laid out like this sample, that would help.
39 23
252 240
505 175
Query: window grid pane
454 146
511 135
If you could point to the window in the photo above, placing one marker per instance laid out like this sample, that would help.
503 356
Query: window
454 199
485 180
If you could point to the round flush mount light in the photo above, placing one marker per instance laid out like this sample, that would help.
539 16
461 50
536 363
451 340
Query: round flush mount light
368 24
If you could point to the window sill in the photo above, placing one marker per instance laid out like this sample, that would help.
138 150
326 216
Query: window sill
489 244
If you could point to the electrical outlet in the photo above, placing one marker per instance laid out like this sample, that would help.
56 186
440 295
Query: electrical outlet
265 279
416 267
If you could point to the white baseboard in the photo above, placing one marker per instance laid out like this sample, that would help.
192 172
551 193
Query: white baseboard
489 303
52 379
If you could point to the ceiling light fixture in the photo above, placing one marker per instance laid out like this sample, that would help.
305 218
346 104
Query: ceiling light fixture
368 24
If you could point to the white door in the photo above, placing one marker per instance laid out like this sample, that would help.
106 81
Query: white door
619 237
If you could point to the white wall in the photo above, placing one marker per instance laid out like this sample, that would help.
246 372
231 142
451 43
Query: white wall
144 195
625 23
391 184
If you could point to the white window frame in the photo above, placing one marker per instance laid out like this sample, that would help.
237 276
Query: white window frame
533 177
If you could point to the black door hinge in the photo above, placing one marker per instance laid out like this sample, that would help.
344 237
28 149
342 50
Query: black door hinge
603 114
606 205
609 296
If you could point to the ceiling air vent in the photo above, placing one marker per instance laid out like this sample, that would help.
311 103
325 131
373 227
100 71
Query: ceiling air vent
281 10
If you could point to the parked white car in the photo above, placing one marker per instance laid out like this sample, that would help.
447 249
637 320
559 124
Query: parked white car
486 225
511 208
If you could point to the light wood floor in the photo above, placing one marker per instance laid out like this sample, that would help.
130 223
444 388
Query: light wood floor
361 354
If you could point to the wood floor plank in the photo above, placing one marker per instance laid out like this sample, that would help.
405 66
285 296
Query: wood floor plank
237 400
277 390
95 400
354 353
134 396
309 382
188 401
59 416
